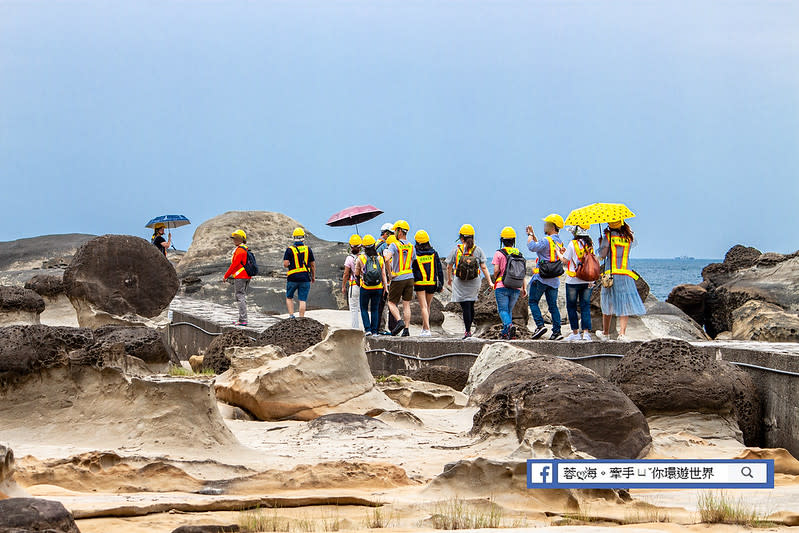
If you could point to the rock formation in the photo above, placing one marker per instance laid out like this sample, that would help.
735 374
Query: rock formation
58 310
119 276
492 357
26 350
145 343
20 515
19 306
668 376
542 390
691 299
413 394
443 375
762 321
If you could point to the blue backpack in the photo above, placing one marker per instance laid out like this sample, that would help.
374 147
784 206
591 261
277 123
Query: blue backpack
251 266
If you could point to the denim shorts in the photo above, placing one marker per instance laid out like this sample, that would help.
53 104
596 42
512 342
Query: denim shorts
302 288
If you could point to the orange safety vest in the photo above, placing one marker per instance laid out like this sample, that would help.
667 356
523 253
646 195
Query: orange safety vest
620 250
405 259
239 271
428 269
579 250
363 259
508 250
555 253
297 250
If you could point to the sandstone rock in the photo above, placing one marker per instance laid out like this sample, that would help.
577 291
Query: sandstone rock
215 357
294 335
196 362
668 376
548 442
492 357
247 358
19 306
443 375
762 321
6 462
543 390
144 343
119 275
332 376
436 313
58 310
770 259
208 529
25 350
402 419
46 284
421 394
784 462
33 514
691 299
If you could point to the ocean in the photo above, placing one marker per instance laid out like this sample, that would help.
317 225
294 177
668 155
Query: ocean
665 274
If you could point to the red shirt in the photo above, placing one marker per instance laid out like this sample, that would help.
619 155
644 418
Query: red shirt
236 268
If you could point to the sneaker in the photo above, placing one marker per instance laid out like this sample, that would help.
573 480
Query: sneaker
574 337
622 338
539 332
556 336
367 334
512 332
384 332
587 336
405 333
601 336
241 324
425 333
398 328
467 335
292 316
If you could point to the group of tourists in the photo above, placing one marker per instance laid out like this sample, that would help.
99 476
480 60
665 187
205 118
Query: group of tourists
390 271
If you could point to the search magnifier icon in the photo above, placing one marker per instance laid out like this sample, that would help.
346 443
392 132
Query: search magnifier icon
747 472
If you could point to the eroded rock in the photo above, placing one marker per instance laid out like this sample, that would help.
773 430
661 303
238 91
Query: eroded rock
19 306
762 321
443 375
33 514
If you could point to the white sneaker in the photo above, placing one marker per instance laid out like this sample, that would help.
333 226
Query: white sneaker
587 336
622 338
574 337
601 336
425 333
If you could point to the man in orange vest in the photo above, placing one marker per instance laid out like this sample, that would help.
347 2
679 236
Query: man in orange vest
241 280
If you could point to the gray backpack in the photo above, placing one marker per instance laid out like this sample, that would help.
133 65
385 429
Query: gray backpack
515 270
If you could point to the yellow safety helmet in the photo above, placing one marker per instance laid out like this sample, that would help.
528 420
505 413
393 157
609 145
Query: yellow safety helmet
392 239
422 237
239 233
298 233
402 224
467 229
508 233
368 240
586 227
556 219
616 225
355 240
159 225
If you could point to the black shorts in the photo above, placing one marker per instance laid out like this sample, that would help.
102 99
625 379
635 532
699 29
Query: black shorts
429 289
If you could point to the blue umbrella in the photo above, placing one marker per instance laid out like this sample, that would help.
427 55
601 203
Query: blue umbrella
170 221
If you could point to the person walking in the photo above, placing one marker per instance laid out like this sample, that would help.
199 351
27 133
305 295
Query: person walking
400 256
350 287
508 282
386 233
158 238
621 299
370 270
237 270
546 275
300 264
464 264
428 276
578 291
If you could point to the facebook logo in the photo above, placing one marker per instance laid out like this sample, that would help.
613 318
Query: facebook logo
540 474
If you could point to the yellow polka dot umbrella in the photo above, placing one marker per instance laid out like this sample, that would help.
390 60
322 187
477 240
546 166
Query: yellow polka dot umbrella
598 214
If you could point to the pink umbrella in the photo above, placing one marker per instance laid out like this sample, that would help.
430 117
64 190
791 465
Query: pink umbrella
352 216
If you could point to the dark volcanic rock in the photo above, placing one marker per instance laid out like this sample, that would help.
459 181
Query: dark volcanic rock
669 376
33 514
495 332
739 257
138 341
19 299
691 299
441 375
294 335
27 349
46 284
121 275
543 390
215 358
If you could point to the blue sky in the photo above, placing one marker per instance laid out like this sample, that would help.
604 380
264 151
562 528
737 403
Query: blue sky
492 112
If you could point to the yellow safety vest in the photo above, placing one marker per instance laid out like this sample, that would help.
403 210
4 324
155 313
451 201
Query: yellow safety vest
405 259
620 249
363 258
297 250
579 250
427 267
508 250
555 253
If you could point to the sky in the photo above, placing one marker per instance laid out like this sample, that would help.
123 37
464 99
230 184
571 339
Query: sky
439 112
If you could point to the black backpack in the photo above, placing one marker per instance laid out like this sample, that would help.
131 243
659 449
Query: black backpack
251 266
468 267
372 274
515 270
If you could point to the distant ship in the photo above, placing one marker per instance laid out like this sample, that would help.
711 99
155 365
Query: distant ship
684 258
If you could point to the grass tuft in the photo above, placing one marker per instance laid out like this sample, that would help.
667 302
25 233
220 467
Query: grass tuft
458 514
719 507
177 370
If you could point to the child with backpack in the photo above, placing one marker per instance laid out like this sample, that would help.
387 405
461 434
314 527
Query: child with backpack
510 270
582 269
428 277
465 262
370 269
242 268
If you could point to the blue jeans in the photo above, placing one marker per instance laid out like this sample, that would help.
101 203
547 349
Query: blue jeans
506 300
538 289
579 292
370 309
302 288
